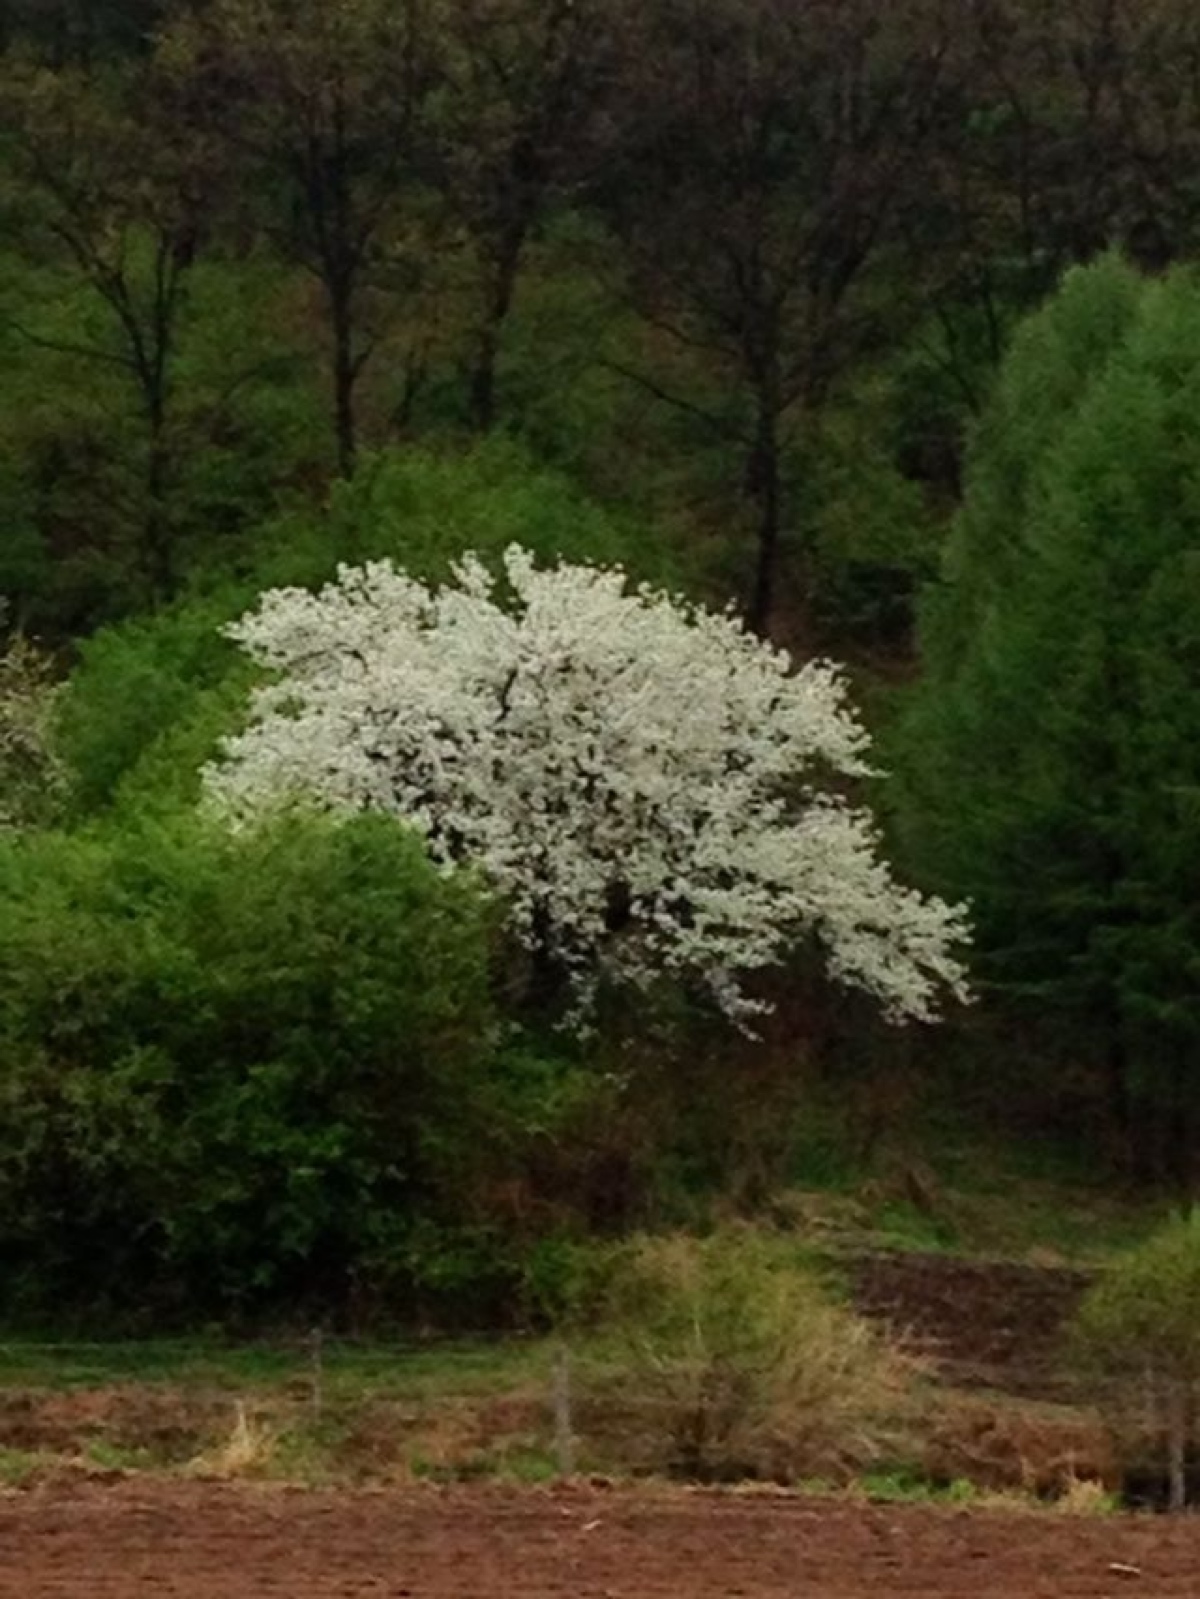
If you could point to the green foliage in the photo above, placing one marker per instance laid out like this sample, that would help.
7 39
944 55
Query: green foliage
235 1071
250 433
1051 759
276 1368
150 688
423 509
1143 1314
1137 1337
903 1486
564 1278
869 532
68 431
20 1466
1017 446
245 435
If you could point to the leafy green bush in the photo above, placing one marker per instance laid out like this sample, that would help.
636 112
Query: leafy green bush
748 1363
137 686
236 1071
1137 1335
423 509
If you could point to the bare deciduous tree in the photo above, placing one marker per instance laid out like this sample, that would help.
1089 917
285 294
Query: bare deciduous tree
772 147
320 103
118 188
523 83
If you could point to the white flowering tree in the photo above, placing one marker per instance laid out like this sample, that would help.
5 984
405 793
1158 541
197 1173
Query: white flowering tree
649 788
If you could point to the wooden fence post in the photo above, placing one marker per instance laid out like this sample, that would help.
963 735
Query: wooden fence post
316 1343
564 1436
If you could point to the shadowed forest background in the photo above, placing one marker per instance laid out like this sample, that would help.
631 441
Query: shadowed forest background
874 318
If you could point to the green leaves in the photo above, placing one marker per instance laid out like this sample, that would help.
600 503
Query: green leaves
1047 757
219 1057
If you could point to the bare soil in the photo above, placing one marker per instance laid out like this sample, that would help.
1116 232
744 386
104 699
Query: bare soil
995 1324
195 1540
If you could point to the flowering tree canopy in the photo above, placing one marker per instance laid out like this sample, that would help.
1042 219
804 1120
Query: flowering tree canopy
649 787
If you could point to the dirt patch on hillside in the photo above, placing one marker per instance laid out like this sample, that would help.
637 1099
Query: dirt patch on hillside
169 1424
201 1541
994 1324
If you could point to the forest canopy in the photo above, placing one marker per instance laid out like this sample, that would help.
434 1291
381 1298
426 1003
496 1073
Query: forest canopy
865 330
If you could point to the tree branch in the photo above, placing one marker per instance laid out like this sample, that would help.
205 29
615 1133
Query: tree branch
85 352
720 425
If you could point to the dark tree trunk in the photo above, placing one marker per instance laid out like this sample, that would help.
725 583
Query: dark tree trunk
156 531
1177 1431
498 303
1120 1107
160 558
763 488
1180 1137
346 367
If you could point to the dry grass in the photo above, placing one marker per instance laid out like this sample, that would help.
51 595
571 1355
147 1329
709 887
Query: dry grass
746 1366
248 1451
1004 1444
1084 1496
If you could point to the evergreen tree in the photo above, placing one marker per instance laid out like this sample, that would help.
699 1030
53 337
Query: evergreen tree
1052 755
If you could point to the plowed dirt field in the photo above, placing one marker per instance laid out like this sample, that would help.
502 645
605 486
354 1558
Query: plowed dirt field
134 1539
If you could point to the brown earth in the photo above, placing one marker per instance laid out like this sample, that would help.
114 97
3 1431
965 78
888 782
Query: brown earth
995 1324
170 1423
175 1540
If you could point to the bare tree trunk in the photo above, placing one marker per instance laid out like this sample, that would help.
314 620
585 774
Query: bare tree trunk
340 291
1176 1445
157 532
497 306
345 375
1129 1155
1182 1144
763 487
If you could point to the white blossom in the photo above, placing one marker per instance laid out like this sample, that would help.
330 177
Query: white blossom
649 787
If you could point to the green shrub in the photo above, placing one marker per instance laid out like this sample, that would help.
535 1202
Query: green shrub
422 510
747 1363
141 682
1137 1335
236 1071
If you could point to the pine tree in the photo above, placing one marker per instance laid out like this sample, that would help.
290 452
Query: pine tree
1052 755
